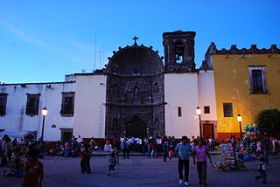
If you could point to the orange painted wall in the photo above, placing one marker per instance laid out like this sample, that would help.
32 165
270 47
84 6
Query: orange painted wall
232 85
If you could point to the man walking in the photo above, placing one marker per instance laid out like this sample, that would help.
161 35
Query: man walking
183 150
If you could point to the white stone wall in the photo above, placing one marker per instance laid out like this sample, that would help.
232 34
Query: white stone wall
181 90
206 93
89 120
50 97
185 90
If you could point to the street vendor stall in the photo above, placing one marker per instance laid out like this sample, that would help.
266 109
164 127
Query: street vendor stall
227 159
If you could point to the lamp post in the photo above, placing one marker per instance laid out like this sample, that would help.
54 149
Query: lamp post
239 119
198 112
44 113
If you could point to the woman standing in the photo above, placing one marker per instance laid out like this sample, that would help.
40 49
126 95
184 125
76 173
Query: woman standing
200 154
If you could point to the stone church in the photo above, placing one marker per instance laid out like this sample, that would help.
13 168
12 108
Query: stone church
138 93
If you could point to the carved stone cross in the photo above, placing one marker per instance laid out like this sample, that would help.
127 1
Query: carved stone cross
135 40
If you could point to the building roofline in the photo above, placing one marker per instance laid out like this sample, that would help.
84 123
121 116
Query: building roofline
252 50
40 83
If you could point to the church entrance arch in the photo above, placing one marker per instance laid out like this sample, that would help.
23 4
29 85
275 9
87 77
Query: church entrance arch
136 128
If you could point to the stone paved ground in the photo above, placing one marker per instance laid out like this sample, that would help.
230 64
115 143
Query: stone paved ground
141 172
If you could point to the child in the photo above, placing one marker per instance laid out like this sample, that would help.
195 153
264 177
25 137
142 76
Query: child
112 163
262 170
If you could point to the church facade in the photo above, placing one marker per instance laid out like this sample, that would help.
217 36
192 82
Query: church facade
138 93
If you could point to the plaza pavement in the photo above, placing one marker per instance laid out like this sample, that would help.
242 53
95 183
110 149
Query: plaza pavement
140 171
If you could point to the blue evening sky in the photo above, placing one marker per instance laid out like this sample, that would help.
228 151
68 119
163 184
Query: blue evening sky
42 40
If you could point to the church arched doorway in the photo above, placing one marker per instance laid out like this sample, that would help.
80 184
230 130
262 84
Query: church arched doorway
136 128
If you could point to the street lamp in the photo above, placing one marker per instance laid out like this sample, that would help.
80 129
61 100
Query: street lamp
198 112
44 113
239 119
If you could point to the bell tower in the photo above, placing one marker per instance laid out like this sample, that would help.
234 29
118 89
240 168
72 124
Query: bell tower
179 51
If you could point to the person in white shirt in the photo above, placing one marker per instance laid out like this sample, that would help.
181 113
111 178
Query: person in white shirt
108 146
79 140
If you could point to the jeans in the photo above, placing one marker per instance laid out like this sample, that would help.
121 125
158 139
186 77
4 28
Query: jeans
183 164
201 171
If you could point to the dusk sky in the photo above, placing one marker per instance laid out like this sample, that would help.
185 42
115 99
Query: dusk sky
42 40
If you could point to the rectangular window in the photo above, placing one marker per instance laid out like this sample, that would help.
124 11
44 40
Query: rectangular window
67 106
206 109
32 104
228 112
179 112
257 79
3 103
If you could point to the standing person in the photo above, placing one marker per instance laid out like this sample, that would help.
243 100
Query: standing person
200 154
171 143
183 150
154 149
33 176
112 163
262 170
85 160
116 148
80 140
92 144
165 148
6 151
66 149
266 149
126 147
108 146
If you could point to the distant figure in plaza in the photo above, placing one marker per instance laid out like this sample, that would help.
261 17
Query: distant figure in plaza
259 147
183 150
171 146
262 170
154 149
85 160
75 147
200 154
211 142
266 149
80 140
6 151
112 163
92 144
116 149
33 176
108 146
126 148
66 150
165 147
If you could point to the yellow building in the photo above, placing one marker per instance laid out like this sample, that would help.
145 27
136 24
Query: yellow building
247 81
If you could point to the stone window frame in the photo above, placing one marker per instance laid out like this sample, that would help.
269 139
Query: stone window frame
66 110
32 104
228 109
206 109
264 82
3 103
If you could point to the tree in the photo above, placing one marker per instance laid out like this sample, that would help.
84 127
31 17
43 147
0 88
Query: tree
268 122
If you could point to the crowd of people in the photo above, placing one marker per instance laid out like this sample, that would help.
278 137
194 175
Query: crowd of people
20 157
